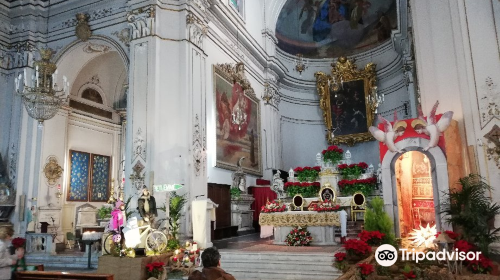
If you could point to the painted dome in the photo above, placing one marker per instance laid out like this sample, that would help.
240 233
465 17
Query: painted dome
332 28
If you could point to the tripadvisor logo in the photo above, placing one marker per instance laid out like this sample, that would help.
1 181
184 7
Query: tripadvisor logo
387 255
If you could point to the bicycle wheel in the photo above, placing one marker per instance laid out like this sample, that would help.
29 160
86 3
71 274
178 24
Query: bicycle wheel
108 243
156 241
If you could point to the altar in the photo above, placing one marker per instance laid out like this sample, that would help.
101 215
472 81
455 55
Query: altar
321 225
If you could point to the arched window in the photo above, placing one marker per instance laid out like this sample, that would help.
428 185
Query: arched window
92 95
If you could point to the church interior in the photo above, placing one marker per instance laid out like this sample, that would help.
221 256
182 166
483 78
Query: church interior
287 139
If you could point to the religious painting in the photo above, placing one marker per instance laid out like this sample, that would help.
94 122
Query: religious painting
100 178
237 115
79 176
327 193
349 99
334 28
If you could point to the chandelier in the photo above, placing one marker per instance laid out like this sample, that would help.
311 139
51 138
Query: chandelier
374 99
300 64
41 96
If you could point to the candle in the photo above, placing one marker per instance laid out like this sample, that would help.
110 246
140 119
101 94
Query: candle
176 252
36 76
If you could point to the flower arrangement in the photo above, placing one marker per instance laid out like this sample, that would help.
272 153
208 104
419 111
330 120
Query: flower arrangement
365 269
307 173
155 269
340 258
352 170
273 206
463 246
332 154
356 247
373 238
304 189
299 236
325 206
408 272
349 187
481 266
18 242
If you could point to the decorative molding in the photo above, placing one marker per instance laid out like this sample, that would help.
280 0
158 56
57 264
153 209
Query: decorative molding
137 177
237 74
82 30
139 146
488 103
91 16
94 80
96 48
123 36
17 55
199 149
493 152
52 171
12 164
196 30
142 22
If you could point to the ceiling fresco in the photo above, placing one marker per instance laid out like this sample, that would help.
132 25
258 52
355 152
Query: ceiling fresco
332 28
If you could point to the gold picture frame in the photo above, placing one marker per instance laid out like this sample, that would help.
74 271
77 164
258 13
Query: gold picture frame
326 191
298 202
348 98
231 89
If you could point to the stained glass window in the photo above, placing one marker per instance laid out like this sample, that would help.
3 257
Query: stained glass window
100 178
79 176
89 177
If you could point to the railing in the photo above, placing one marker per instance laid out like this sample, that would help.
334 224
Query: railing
39 243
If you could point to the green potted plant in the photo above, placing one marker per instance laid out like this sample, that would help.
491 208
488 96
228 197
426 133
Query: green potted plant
104 212
235 193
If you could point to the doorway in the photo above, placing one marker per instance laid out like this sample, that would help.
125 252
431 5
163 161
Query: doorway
415 193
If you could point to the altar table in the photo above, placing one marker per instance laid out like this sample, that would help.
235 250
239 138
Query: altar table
320 225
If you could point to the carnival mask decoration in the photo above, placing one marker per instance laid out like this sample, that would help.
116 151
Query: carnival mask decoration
431 127
390 133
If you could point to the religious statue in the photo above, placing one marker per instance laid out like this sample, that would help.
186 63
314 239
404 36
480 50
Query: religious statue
146 204
117 216
239 177
291 175
319 160
278 185
31 219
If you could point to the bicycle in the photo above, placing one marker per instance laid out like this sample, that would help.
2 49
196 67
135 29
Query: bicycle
153 239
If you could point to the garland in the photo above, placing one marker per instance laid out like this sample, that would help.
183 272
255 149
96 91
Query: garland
299 236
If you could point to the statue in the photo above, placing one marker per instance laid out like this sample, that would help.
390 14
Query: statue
431 127
390 133
319 160
146 204
239 177
31 219
278 185
291 175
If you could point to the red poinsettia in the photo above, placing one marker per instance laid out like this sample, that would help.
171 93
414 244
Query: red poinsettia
371 237
273 206
18 242
333 154
357 247
366 268
481 266
325 206
155 269
463 246
410 274
340 256
450 234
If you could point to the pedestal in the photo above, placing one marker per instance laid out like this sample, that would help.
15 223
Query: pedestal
203 213
241 215
128 268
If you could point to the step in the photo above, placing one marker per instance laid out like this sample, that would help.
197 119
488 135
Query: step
61 260
270 265
282 274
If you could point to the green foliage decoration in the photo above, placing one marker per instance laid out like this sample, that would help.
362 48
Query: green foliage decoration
377 219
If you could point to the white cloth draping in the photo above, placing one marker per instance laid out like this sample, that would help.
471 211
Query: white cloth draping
203 211
266 231
131 233
343 223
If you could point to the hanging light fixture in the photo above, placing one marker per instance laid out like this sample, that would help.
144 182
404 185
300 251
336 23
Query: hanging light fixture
300 64
41 96
374 99
239 117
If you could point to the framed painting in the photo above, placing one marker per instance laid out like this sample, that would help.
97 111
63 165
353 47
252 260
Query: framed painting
348 98
100 178
79 176
237 115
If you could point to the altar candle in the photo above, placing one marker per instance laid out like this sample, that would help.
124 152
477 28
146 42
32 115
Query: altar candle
36 76
195 247
176 252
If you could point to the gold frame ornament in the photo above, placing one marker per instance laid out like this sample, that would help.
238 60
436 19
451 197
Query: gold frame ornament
301 206
344 73
52 170
327 186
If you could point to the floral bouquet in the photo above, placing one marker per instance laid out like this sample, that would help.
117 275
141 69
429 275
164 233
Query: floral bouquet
155 269
365 269
307 173
340 258
408 272
19 244
333 154
481 266
299 236
273 206
357 248
352 170
373 238
325 206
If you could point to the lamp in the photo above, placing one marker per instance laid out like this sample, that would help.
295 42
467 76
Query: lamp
300 64
374 99
41 95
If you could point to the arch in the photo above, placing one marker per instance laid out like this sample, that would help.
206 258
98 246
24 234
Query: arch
91 93
439 174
